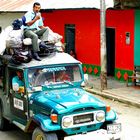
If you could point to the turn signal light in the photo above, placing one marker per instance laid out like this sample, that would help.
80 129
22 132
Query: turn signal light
54 118
108 108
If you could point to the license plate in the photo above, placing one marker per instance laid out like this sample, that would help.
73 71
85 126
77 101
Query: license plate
113 128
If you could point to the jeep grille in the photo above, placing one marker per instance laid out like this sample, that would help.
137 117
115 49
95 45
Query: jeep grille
79 119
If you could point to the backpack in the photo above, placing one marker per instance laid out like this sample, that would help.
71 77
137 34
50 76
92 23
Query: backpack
17 24
24 21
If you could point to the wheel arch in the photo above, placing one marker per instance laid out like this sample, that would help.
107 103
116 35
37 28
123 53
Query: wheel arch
31 125
43 122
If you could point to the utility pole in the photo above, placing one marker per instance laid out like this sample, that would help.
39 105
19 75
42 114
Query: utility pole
103 54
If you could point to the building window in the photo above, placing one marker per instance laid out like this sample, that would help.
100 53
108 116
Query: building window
127 34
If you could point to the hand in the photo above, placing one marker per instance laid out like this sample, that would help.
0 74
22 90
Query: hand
21 89
37 17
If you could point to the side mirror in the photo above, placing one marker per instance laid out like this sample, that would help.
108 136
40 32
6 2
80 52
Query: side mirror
86 78
85 82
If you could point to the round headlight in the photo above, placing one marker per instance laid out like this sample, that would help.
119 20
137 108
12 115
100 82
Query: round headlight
100 116
67 121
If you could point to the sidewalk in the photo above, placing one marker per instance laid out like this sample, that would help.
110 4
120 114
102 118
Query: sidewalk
116 90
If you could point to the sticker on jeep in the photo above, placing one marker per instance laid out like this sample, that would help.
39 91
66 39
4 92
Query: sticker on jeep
18 104
54 69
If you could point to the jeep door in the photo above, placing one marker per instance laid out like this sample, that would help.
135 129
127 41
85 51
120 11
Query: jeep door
18 98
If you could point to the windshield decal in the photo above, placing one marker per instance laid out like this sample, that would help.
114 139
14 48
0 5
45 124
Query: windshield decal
53 69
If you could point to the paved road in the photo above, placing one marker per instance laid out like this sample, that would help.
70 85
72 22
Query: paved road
128 115
14 134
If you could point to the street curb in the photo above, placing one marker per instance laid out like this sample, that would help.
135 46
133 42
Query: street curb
110 95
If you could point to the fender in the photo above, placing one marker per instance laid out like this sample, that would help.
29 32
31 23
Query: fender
111 116
46 123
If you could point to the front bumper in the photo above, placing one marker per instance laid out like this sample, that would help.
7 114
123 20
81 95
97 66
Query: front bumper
95 135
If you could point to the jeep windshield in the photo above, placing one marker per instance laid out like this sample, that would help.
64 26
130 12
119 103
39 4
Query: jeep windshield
50 76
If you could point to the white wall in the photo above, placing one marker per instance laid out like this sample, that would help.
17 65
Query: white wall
6 19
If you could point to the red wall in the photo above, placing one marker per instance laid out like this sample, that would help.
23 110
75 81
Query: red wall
87 23
87 31
122 21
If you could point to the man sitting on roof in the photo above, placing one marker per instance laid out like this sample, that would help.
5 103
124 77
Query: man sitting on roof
34 28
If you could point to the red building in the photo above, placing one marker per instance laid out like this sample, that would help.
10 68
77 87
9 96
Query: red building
81 31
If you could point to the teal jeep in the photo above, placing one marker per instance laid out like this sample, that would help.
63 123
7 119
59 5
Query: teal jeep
52 105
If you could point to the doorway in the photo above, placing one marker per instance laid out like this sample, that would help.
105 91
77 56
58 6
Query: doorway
110 44
70 38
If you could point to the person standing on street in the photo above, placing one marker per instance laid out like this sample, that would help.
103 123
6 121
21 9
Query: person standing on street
34 28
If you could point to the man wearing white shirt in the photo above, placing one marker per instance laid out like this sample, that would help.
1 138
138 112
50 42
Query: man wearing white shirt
34 28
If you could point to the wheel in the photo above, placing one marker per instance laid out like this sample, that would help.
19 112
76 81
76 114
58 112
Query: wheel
38 134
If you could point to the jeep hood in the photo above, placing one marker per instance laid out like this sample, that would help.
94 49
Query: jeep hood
65 100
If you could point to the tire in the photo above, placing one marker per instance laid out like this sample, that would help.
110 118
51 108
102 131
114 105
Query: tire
38 134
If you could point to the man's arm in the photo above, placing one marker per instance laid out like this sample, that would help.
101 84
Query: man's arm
33 21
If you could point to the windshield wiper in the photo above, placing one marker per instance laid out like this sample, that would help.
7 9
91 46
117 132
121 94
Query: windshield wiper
46 87
68 82
38 88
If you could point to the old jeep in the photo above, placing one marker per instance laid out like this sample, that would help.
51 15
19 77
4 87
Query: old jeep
52 104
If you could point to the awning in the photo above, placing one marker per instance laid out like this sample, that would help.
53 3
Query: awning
26 5
72 4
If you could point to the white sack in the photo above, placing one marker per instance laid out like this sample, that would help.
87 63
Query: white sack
60 47
2 42
51 36
28 41
14 39
3 37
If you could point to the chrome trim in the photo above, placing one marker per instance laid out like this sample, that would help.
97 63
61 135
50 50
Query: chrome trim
83 124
